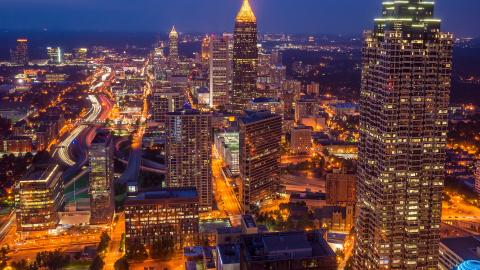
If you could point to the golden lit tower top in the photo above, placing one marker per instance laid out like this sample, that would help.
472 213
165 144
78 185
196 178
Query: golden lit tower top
246 13
173 32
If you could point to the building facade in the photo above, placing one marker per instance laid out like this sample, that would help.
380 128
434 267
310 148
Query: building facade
39 196
404 101
260 146
189 153
173 55
100 158
20 54
154 215
218 73
245 59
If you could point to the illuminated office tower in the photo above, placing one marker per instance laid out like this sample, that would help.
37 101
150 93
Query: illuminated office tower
189 153
404 101
218 71
259 157
206 49
173 53
39 197
245 59
20 54
100 158
55 55
80 54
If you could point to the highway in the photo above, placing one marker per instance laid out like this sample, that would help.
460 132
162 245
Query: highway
63 148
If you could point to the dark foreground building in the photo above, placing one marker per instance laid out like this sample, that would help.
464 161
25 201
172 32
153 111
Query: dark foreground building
286 251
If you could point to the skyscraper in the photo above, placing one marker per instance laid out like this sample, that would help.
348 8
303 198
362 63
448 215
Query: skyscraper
100 158
173 53
189 153
165 100
206 52
245 58
218 71
20 54
403 126
55 55
259 157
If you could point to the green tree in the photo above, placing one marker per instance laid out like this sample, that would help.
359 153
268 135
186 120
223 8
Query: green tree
104 241
136 251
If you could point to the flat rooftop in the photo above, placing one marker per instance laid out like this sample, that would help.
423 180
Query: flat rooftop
167 193
229 253
37 173
464 247
285 246
255 116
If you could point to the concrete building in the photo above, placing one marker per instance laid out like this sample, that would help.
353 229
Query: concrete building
406 81
39 196
306 106
228 257
20 54
156 214
273 105
55 55
301 140
189 153
286 250
101 160
218 71
164 101
260 142
454 251
227 146
340 189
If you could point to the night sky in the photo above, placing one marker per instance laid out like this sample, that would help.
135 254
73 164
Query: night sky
291 16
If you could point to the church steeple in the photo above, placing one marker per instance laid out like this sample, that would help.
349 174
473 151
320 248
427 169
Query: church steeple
246 13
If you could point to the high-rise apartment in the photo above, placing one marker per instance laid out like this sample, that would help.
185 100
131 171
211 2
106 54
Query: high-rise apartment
219 86
245 58
407 64
260 143
100 158
189 153
165 100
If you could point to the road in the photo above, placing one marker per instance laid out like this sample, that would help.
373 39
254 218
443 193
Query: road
114 253
226 199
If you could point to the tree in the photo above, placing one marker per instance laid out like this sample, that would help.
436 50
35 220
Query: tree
97 263
104 241
3 256
52 260
24 265
121 264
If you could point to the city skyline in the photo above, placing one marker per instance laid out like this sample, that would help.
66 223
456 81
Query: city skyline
319 17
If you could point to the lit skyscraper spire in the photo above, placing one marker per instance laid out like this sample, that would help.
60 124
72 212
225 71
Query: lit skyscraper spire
245 59
404 101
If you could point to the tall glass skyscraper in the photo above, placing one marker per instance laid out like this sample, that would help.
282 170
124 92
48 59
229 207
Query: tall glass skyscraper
404 101
245 58
173 50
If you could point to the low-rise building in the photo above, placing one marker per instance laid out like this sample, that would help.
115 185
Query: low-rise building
301 140
455 250
286 250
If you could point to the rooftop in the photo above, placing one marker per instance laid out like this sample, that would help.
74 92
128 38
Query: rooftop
285 246
465 247
229 253
166 193
102 136
41 173
265 100
255 116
